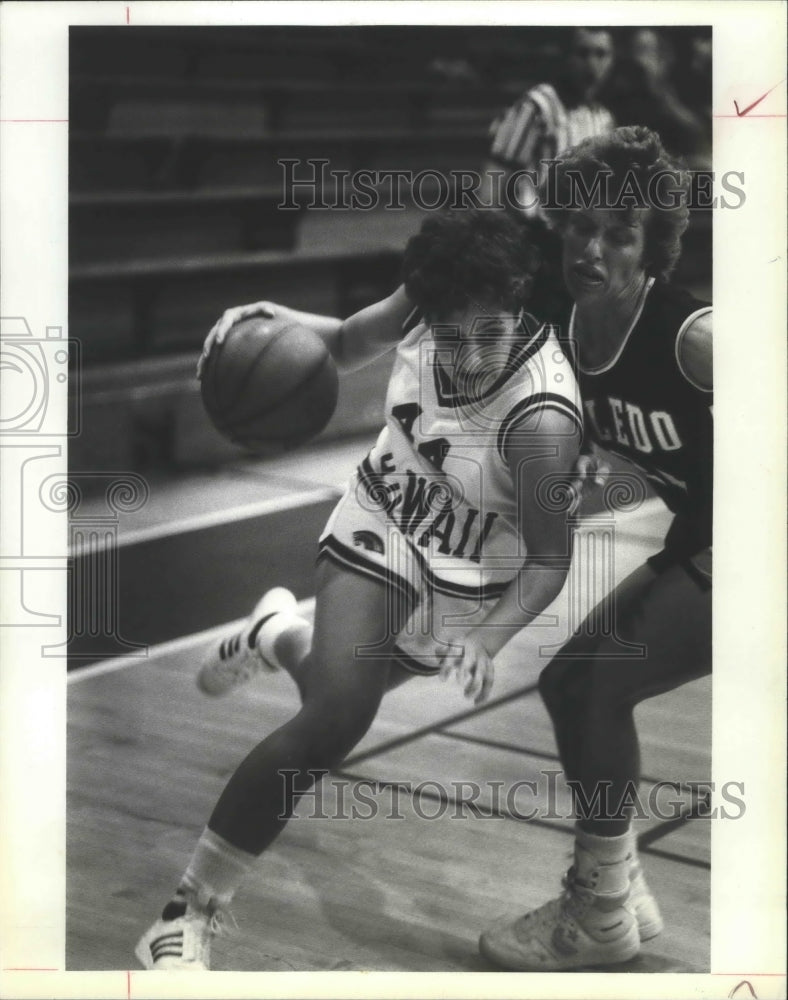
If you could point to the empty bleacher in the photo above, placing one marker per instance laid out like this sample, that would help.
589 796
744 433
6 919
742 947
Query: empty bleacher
175 189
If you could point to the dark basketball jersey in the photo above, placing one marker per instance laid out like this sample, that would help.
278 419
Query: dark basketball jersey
642 406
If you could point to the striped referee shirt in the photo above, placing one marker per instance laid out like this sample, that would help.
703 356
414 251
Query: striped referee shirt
538 127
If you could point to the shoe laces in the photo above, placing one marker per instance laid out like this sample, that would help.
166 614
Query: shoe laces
212 915
239 669
574 900
218 921
545 916
578 897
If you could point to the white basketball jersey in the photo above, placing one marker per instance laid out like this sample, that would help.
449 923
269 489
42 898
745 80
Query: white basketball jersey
438 469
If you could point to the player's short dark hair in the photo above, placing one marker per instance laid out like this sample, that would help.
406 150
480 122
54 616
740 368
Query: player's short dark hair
632 152
471 256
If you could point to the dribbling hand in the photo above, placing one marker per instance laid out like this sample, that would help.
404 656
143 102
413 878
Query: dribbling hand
472 667
589 472
228 320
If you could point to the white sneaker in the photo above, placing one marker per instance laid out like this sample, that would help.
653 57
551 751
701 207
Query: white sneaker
577 930
182 942
642 904
238 658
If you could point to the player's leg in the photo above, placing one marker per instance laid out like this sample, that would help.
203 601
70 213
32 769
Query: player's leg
669 614
288 645
342 687
342 682
275 636
591 701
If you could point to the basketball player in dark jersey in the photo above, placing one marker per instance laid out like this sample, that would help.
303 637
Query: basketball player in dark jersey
643 359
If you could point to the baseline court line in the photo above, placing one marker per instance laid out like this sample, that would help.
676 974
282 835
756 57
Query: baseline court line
180 645
275 505
197 522
187 642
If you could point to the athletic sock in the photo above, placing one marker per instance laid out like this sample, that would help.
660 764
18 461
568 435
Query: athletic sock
603 865
632 849
608 850
267 632
630 844
213 875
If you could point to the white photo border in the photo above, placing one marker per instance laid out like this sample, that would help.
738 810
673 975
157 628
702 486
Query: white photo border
748 857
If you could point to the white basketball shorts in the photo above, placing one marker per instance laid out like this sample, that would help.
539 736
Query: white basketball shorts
361 538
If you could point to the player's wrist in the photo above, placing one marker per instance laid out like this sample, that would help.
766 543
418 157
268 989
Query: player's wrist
490 638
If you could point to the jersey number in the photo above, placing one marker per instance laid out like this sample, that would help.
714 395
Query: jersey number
436 449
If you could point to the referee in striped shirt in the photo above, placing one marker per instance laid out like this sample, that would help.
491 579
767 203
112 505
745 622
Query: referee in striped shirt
550 118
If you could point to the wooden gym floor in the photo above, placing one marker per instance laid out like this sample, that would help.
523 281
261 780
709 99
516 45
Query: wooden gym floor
148 755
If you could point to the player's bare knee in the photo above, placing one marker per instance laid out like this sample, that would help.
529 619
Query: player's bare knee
551 687
562 684
334 728
613 685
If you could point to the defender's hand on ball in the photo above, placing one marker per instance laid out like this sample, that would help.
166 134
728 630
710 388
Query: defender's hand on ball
228 320
471 666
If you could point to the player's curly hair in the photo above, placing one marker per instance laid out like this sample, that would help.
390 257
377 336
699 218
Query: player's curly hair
633 160
472 256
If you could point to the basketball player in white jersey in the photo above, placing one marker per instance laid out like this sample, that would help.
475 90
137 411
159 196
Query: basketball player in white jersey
442 519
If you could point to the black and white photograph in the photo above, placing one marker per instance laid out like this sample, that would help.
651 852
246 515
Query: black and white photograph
359 504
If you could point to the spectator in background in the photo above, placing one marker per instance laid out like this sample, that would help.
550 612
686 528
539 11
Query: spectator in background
692 76
644 92
551 117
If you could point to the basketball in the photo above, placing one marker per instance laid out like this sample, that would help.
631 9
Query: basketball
270 385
